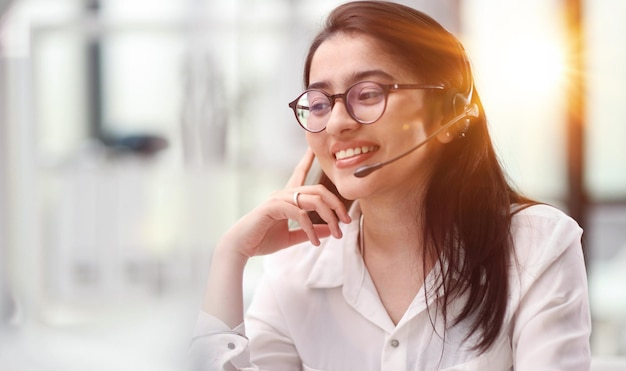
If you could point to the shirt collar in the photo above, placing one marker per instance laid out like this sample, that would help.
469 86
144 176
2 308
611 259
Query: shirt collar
340 264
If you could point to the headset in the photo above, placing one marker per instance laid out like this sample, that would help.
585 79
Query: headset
457 103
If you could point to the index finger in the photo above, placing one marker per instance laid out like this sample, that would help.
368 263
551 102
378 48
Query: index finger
301 170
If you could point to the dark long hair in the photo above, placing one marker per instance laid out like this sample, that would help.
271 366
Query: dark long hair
468 200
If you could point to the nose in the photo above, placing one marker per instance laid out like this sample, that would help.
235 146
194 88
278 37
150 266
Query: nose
339 119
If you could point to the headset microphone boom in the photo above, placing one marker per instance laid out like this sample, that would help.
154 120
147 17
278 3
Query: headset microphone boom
471 110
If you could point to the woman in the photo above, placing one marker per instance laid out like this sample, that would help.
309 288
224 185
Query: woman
426 259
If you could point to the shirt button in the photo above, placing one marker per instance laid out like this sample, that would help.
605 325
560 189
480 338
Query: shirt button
231 346
395 343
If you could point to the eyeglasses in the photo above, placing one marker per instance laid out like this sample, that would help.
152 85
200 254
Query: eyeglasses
365 102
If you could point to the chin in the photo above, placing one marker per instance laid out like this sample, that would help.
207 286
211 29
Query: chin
347 185
350 190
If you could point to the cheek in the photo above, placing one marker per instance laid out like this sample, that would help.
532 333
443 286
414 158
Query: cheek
314 141
407 132
317 143
410 117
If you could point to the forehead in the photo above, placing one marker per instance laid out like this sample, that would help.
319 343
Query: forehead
344 59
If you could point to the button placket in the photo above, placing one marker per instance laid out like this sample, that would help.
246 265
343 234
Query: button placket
394 355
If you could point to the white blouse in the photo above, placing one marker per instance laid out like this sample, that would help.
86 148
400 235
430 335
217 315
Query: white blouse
317 309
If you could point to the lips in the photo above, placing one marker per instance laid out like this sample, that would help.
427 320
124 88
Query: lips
351 152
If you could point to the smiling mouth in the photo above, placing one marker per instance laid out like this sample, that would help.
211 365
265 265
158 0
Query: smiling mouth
351 152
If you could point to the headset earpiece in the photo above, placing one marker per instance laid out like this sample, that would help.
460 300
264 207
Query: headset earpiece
455 103
458 104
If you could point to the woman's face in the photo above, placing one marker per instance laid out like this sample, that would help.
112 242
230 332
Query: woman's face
340 62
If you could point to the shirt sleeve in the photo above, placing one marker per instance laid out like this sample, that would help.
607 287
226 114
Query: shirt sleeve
215 347
553 322
271 344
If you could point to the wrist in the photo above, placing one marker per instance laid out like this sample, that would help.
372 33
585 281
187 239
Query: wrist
227 253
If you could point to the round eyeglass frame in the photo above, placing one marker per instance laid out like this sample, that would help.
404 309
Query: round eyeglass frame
332 98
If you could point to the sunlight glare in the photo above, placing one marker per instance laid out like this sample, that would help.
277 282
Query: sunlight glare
533 64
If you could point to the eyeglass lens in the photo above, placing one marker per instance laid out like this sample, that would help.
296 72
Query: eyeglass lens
364 101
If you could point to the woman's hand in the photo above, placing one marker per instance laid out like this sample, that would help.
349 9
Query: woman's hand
265 229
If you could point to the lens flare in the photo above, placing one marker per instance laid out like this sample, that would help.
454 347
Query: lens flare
534 65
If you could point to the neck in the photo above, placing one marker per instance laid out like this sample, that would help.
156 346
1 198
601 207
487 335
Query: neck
391 227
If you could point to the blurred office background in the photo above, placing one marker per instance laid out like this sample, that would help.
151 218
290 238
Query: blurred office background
134 132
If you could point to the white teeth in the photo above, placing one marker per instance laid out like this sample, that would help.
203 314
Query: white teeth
345 153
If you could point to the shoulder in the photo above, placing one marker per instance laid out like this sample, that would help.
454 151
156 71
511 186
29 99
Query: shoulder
542 234
543 222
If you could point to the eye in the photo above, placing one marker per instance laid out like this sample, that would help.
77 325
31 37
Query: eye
369 95
319 105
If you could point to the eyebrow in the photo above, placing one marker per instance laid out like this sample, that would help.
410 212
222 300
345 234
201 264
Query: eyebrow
356 77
